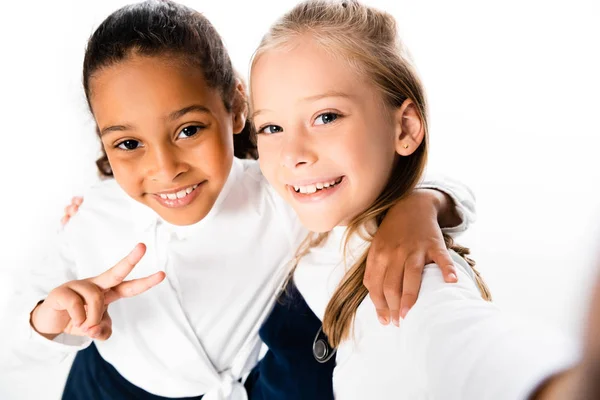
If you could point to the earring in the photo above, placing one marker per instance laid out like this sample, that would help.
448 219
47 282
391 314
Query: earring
405 146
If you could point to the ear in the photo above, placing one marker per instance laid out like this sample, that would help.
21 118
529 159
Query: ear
410 130
240 106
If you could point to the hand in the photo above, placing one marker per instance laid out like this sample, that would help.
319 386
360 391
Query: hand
80 307
71 209
409 238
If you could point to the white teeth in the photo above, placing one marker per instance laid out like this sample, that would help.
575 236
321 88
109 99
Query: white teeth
179 195
310 189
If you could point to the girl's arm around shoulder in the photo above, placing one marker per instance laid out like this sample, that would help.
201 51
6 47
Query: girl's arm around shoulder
461 195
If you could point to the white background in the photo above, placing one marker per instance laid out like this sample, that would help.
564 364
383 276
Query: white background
513 89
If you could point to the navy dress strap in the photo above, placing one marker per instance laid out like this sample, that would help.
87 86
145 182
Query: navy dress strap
93 378
289 370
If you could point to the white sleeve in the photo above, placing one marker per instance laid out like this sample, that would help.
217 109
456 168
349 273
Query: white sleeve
34 284
452 345
463 198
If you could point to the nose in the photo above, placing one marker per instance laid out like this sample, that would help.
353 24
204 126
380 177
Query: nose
297 149
164 164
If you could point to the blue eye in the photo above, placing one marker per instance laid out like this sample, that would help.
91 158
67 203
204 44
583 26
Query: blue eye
128 144
190 131
326 118
270 129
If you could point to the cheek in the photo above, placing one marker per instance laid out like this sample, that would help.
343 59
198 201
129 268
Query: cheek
127 175
213 155
268 157
123 168
370 157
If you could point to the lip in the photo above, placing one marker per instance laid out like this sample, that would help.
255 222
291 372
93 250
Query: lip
177 203
319 195
173 191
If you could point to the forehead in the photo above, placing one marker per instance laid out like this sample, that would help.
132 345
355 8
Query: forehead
141 85
302 69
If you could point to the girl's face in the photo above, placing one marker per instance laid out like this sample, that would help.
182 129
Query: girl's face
326 143
167 135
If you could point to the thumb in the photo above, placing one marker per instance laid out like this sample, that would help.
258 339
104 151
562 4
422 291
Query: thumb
103 330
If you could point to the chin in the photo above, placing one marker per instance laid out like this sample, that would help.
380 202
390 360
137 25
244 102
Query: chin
182 217
317 224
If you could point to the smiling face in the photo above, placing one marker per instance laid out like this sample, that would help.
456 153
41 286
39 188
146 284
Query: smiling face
326 142
167 134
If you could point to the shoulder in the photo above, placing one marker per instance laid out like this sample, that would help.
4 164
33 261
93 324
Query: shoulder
388 353
434 294
103 202
104 193
439 303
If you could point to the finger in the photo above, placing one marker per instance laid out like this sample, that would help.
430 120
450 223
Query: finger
93 300
373 281
119 272
72 210
442 258
65 299
393 287
77 200
103 330
133 287
64 220
413 274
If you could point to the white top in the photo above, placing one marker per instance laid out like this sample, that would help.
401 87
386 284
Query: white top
196 332
452 345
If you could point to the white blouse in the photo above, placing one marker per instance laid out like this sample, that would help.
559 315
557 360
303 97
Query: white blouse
452 345
197 331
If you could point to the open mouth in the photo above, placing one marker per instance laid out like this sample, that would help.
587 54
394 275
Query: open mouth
180 198
178 195
318 186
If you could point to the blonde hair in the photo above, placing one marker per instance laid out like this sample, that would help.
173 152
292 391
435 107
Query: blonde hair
367 39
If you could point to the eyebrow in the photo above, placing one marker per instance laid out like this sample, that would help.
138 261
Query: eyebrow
115 128
331 93
193 108
171 117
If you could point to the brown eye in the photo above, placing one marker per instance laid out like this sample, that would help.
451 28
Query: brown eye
128 144
190 131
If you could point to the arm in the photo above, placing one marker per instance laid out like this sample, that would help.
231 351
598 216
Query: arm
410 237
59 314
32 286
583 381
